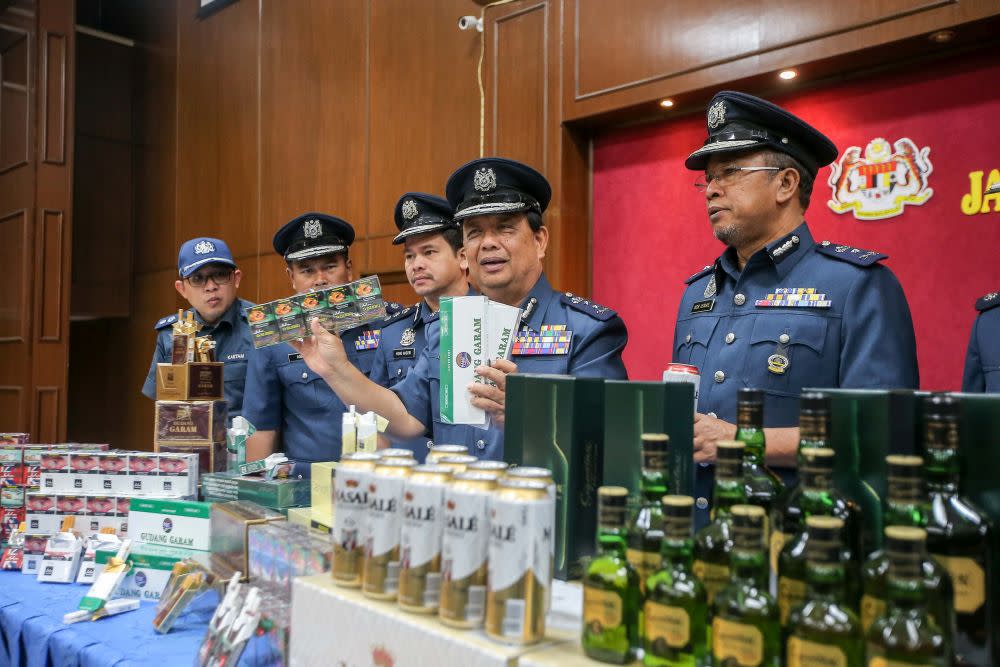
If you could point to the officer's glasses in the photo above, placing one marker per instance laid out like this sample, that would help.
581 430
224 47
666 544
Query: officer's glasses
217 277
726 177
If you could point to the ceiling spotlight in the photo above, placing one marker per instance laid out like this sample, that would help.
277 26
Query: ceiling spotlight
787 75
942 36
666 104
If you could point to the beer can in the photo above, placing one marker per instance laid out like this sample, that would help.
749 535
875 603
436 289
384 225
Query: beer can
420 538
536 474
464 548
457 462
684 373
438 451
519 569
498 467
395 453
380 571
350 491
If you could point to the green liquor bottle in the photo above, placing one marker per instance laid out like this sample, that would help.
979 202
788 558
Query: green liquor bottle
814 496
713 543
905 634
825 630
676 607
959 536
907 506
763 487
611 596
645 535
746 630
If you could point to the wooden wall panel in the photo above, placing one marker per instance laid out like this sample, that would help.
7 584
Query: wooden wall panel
11 407
53 89
15 254
15 117
48 414
50 295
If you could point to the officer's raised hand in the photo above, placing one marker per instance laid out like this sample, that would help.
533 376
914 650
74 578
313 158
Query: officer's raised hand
491 398
708 430
324 352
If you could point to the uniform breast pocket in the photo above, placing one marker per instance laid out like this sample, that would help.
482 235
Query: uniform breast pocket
304 389
235 373
788 352
692 341
398 368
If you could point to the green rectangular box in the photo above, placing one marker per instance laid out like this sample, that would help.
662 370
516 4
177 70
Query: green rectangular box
557 422
634 408
277 494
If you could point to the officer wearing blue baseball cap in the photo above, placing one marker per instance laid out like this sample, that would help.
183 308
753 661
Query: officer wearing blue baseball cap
499 204
209 278
291 407
778 311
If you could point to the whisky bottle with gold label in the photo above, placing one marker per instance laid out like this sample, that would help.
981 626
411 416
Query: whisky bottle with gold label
959 536
763 487
824 630
611 596
676 607
645 535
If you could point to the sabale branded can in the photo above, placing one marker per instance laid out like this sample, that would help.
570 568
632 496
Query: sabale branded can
498 467
395 453
420 538
380 572
684 373
457 462
519 572
350 492
540 475
464 548
438 451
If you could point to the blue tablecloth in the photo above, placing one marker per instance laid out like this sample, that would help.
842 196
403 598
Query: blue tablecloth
32 633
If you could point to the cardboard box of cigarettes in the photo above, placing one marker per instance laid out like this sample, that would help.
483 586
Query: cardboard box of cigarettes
321 476
150 568
210 457
13 438
34 551
173 523
118 473
190 422
278 494
202 380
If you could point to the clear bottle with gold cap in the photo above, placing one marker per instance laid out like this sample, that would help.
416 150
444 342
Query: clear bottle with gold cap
906 634
746 629
824 630
714 542
611 595
676 607
645 534
907 506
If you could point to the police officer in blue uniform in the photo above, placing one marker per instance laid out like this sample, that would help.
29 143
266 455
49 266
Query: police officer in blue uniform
779 311
291 407
434 266
499 204
209 279
982 360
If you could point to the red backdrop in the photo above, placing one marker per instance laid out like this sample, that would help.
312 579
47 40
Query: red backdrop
651 231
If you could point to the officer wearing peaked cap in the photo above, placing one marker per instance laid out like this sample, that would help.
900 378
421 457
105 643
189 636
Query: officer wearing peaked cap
982 360
291 407
208 279
499 204
779 311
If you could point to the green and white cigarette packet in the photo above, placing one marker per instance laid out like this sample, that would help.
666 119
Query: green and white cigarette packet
464 346
175 523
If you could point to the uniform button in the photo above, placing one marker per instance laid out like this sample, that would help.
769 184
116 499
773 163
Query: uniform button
399 371
702 503
730 337
430 443
719 376
783 338
795 239
739 299
305 375
713 416
687 339
703 464
481 444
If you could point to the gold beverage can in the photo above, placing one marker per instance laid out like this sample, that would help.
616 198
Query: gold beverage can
464 548
380 571
395 453
499 468
456 462
519 571
420 538
439 451
533 473
350 492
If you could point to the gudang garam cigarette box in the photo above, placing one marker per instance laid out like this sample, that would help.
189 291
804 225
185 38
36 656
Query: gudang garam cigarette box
190 422
150 569
175 523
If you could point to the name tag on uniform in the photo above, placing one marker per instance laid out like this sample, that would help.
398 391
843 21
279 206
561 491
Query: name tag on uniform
794 297
295 356
703 306
368 340
238 356
551 339
404 353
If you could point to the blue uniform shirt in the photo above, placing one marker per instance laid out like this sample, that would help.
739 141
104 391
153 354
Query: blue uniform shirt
285 395
982 361
232 347
741 330
598 338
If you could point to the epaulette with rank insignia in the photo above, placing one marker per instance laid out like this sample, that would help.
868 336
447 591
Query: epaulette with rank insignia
400 314
695 277
991 300
595 310
850 254
165 322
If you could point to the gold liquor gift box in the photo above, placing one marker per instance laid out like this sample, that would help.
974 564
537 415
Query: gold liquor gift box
186 382
190 422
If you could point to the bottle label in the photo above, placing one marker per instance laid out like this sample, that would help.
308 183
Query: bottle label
871 608
803 653
420 533
968 580
645 563
778 540
602 610
670 625
791 593
739 642
713 577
